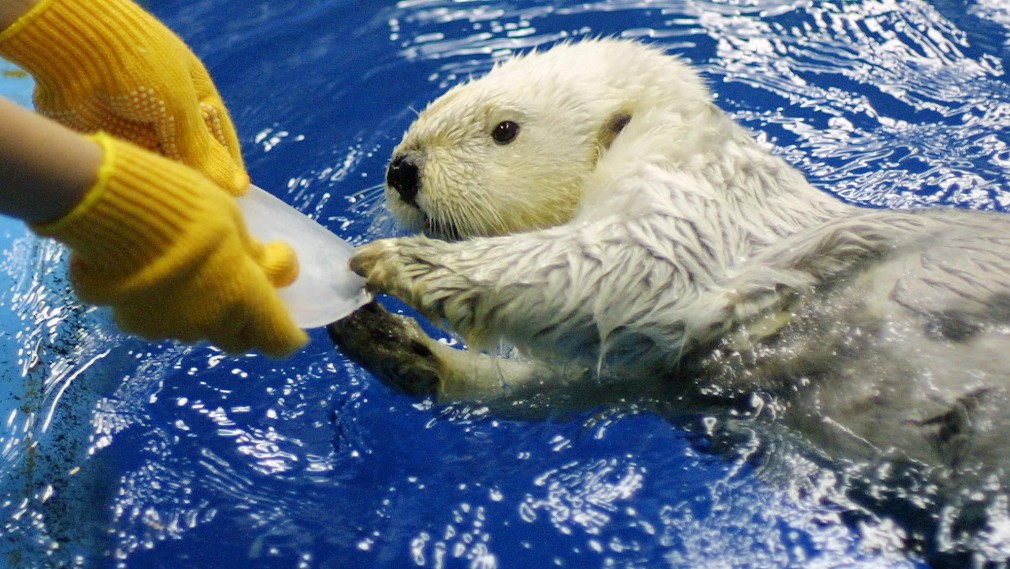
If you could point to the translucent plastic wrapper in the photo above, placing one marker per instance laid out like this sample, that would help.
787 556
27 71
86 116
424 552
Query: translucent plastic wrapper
326 290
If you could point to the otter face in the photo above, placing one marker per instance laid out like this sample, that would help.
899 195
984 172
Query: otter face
505 153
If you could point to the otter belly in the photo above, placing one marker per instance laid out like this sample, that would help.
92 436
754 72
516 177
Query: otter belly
905 355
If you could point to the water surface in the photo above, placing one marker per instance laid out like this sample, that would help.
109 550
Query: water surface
114 452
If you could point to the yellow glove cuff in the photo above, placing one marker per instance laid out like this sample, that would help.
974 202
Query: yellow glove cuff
132 215
170 253
24 20
109 65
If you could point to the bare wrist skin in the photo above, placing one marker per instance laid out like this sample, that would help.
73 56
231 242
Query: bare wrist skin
47 168
11 10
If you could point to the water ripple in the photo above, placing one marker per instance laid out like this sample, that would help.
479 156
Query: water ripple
115 451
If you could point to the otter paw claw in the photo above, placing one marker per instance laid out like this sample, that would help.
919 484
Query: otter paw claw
377 262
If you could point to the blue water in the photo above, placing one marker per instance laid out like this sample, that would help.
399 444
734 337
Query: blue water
117 453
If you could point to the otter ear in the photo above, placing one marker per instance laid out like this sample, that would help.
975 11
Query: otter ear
612 128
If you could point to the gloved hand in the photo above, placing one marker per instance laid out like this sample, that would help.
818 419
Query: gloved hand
109 65
169 252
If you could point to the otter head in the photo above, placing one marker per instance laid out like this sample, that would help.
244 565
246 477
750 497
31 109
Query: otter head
511 151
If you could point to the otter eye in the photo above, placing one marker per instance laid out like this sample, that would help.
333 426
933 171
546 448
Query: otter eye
505 132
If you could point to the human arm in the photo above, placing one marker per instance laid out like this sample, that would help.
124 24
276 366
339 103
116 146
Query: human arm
11 10
153 239
46 168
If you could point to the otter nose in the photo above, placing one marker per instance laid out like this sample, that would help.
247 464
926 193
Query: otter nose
402 177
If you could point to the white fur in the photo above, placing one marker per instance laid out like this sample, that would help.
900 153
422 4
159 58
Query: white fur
683 264
648 227
681 248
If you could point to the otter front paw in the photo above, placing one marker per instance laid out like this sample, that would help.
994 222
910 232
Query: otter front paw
378 263
444 281
403 268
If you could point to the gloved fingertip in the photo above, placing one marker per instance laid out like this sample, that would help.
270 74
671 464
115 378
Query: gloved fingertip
240 183
287 345
273 334
278 347
233 179
215 162
280 263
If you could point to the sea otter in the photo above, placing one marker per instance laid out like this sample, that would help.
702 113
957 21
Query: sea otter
591 206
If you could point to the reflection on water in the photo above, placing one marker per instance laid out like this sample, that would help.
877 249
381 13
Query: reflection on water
54 343
116 453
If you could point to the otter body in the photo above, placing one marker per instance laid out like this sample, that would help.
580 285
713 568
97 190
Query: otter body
591 206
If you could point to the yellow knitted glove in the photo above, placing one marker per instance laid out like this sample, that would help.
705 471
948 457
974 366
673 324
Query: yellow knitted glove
169 252
109 65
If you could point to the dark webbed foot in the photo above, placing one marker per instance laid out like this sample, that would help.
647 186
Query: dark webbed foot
390 346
